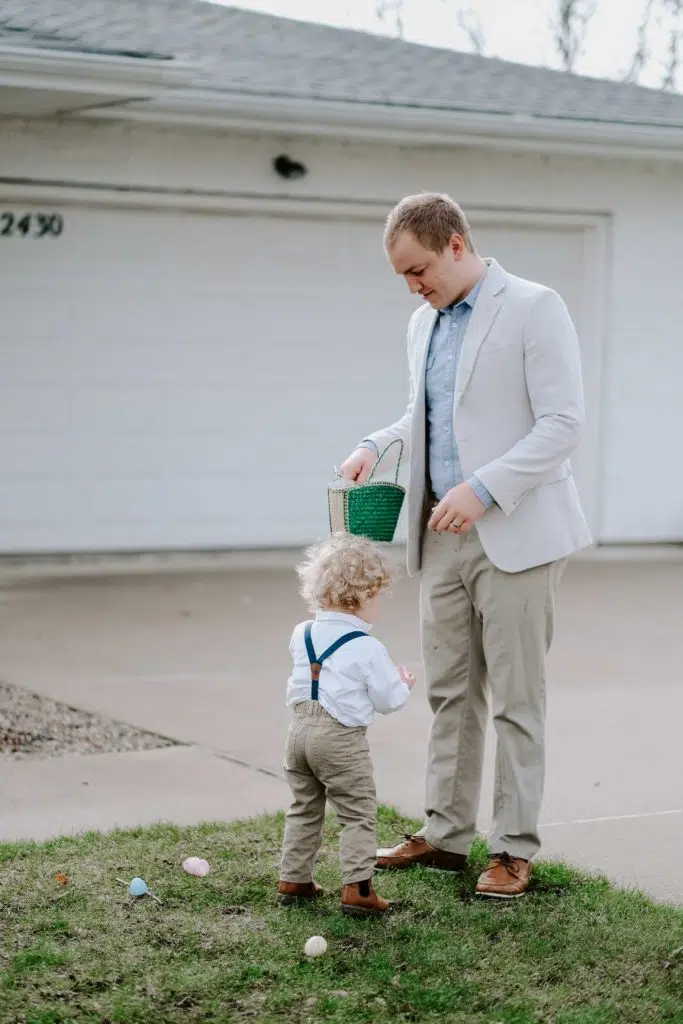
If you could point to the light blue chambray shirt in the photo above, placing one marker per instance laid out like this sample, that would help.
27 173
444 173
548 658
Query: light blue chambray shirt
445 347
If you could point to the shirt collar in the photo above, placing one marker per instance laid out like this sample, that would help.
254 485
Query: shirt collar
349 620
469 299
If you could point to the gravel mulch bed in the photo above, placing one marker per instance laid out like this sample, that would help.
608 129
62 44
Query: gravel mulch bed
32 727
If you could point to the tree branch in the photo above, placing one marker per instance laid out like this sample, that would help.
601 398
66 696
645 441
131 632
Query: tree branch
470 22
642 52
570 26
674 8
391 11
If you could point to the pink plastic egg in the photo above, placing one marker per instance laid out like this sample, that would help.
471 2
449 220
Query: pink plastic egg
196 866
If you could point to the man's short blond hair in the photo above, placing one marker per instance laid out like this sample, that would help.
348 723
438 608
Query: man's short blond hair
432 217
344 572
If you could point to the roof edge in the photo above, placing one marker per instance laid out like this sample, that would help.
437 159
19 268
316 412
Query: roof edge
49 70
412 126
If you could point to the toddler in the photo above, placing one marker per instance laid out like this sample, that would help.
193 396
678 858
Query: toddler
341 676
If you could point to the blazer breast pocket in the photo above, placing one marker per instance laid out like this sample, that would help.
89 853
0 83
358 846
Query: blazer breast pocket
496 347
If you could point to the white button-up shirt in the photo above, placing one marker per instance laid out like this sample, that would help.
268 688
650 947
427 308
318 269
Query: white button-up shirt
356 681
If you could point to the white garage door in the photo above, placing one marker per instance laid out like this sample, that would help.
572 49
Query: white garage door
173 380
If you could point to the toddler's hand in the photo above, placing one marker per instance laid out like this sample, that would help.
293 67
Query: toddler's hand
407 677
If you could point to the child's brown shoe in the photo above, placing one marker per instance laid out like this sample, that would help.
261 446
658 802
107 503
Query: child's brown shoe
361 900
298 892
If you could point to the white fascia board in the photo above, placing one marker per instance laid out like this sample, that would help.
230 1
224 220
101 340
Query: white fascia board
278 115
61 71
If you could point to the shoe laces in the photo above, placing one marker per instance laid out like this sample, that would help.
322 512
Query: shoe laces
406 836
506 861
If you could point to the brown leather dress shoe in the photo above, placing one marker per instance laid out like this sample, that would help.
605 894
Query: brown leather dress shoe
416 850
361 900
298 892
505 878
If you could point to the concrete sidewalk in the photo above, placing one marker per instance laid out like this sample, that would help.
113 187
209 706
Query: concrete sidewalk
185 785
202 657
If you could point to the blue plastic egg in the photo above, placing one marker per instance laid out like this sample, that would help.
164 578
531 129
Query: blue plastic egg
138 887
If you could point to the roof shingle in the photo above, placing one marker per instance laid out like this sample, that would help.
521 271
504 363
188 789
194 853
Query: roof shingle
260 54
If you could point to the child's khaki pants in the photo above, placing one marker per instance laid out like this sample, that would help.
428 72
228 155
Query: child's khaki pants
325 759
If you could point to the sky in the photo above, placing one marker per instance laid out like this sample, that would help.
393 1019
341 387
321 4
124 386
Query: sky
518 30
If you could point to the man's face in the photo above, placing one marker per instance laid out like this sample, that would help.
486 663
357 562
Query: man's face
438 277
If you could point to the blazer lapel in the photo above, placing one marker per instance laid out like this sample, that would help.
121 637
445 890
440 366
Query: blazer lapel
426 330
483 316
418 431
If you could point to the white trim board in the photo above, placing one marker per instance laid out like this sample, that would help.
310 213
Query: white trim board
79 194
411 126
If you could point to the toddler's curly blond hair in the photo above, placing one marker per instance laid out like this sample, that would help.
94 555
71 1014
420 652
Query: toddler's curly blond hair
344 572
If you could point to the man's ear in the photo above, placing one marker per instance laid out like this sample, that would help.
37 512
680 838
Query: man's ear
457 245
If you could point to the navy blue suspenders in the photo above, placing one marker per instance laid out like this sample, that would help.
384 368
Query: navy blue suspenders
317 662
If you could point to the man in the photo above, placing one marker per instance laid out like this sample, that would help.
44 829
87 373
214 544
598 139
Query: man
494 413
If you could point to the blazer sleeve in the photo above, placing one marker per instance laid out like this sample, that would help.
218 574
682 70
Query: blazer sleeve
552 367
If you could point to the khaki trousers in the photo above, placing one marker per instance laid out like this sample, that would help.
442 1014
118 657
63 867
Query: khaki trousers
327 760
481 625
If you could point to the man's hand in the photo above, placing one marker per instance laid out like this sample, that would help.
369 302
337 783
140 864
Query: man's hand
359 465
406 677
458 511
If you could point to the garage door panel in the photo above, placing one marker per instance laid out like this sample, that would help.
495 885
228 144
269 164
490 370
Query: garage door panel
98 457
54 499
36 409
21 366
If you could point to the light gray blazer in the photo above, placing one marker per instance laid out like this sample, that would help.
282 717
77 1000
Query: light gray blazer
517 417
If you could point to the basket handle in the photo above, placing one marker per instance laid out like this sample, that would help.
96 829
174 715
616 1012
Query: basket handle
398 441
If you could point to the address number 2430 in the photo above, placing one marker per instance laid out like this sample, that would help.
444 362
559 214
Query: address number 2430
30 225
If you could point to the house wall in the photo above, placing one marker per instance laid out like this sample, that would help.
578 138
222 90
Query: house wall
641 415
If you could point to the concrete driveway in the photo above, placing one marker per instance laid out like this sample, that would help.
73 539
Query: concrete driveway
201 656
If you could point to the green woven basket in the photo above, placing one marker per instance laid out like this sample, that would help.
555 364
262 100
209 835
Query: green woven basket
370 509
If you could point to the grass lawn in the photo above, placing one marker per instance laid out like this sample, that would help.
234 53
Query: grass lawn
574 951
